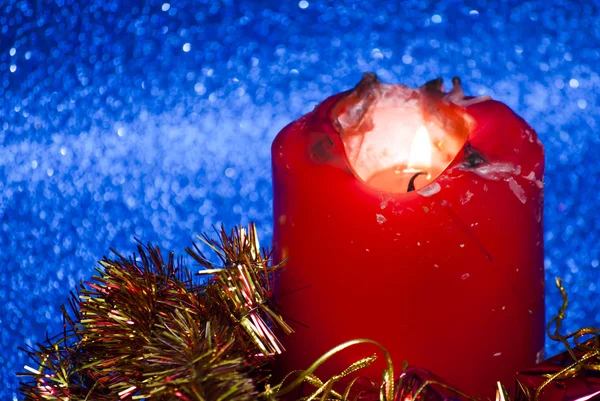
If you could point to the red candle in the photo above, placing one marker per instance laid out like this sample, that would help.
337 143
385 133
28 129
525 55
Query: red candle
412 217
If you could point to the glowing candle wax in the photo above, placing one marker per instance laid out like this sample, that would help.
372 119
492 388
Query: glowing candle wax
412 217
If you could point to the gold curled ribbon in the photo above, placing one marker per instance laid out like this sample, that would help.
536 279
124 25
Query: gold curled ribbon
325 389
591 351
428 383
387 389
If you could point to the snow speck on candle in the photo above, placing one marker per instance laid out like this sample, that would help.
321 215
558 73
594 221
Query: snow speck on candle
517 190
494 171
539 357
430 190
466 197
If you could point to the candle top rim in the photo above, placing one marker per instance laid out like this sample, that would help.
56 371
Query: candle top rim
354 118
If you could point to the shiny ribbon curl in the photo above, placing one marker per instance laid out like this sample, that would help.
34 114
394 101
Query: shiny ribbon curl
590 360
428 383
325 389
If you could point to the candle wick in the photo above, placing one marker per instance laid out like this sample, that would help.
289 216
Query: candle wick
411 183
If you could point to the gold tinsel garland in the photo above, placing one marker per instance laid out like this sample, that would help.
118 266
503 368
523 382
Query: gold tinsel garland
146 328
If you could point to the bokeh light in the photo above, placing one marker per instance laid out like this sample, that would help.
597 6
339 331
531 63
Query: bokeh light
153 120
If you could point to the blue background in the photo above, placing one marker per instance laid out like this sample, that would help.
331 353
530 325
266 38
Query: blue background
123 119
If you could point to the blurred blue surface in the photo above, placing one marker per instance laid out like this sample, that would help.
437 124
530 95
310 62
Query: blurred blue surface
123 119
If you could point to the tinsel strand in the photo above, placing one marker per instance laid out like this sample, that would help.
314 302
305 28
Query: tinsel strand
143 328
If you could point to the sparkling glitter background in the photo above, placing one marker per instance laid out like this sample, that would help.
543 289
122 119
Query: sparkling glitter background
123 119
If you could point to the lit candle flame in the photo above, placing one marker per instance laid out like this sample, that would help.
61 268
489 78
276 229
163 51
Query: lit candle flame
419 158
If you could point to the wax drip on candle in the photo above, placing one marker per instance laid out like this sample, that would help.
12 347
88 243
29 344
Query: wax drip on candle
456 94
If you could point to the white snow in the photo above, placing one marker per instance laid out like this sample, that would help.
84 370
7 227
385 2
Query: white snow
517 190
430 190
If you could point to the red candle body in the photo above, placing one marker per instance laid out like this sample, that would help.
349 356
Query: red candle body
449 278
